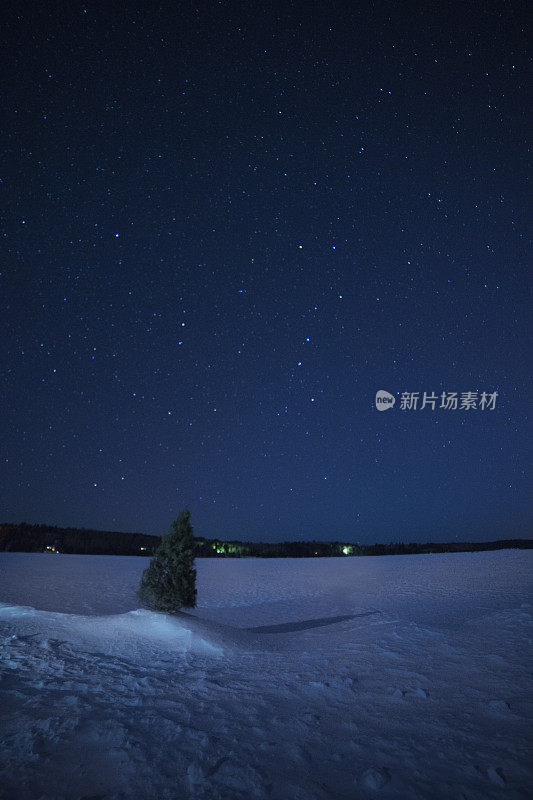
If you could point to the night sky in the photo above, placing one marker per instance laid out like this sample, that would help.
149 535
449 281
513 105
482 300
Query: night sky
225 227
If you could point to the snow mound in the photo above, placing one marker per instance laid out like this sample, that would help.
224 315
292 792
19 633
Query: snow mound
116 634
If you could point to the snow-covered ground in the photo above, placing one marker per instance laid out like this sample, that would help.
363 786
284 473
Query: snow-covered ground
294 679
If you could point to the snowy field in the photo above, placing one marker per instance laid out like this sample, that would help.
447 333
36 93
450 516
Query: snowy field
294 679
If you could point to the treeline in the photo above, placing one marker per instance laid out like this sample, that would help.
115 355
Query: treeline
25 538
236 549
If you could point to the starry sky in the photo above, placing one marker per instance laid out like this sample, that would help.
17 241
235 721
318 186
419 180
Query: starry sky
225 227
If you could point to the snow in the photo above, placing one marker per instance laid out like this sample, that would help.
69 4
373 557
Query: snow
294 679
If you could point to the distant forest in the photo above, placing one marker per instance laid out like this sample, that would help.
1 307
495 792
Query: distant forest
25 538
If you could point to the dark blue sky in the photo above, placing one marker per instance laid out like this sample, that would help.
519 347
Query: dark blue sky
225 227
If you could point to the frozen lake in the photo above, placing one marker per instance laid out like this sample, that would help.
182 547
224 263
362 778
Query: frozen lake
394 676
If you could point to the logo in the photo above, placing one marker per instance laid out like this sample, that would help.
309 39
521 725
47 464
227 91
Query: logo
384 400
449 401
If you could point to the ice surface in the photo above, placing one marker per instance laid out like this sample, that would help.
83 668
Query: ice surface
398 677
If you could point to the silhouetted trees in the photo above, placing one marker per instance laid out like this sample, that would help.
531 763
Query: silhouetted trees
25 538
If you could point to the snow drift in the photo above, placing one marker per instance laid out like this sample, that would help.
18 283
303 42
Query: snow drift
322 679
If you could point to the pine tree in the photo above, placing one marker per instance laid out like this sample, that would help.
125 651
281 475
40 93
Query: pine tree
169 583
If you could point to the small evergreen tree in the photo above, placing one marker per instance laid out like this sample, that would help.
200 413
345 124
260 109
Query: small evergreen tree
169 583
